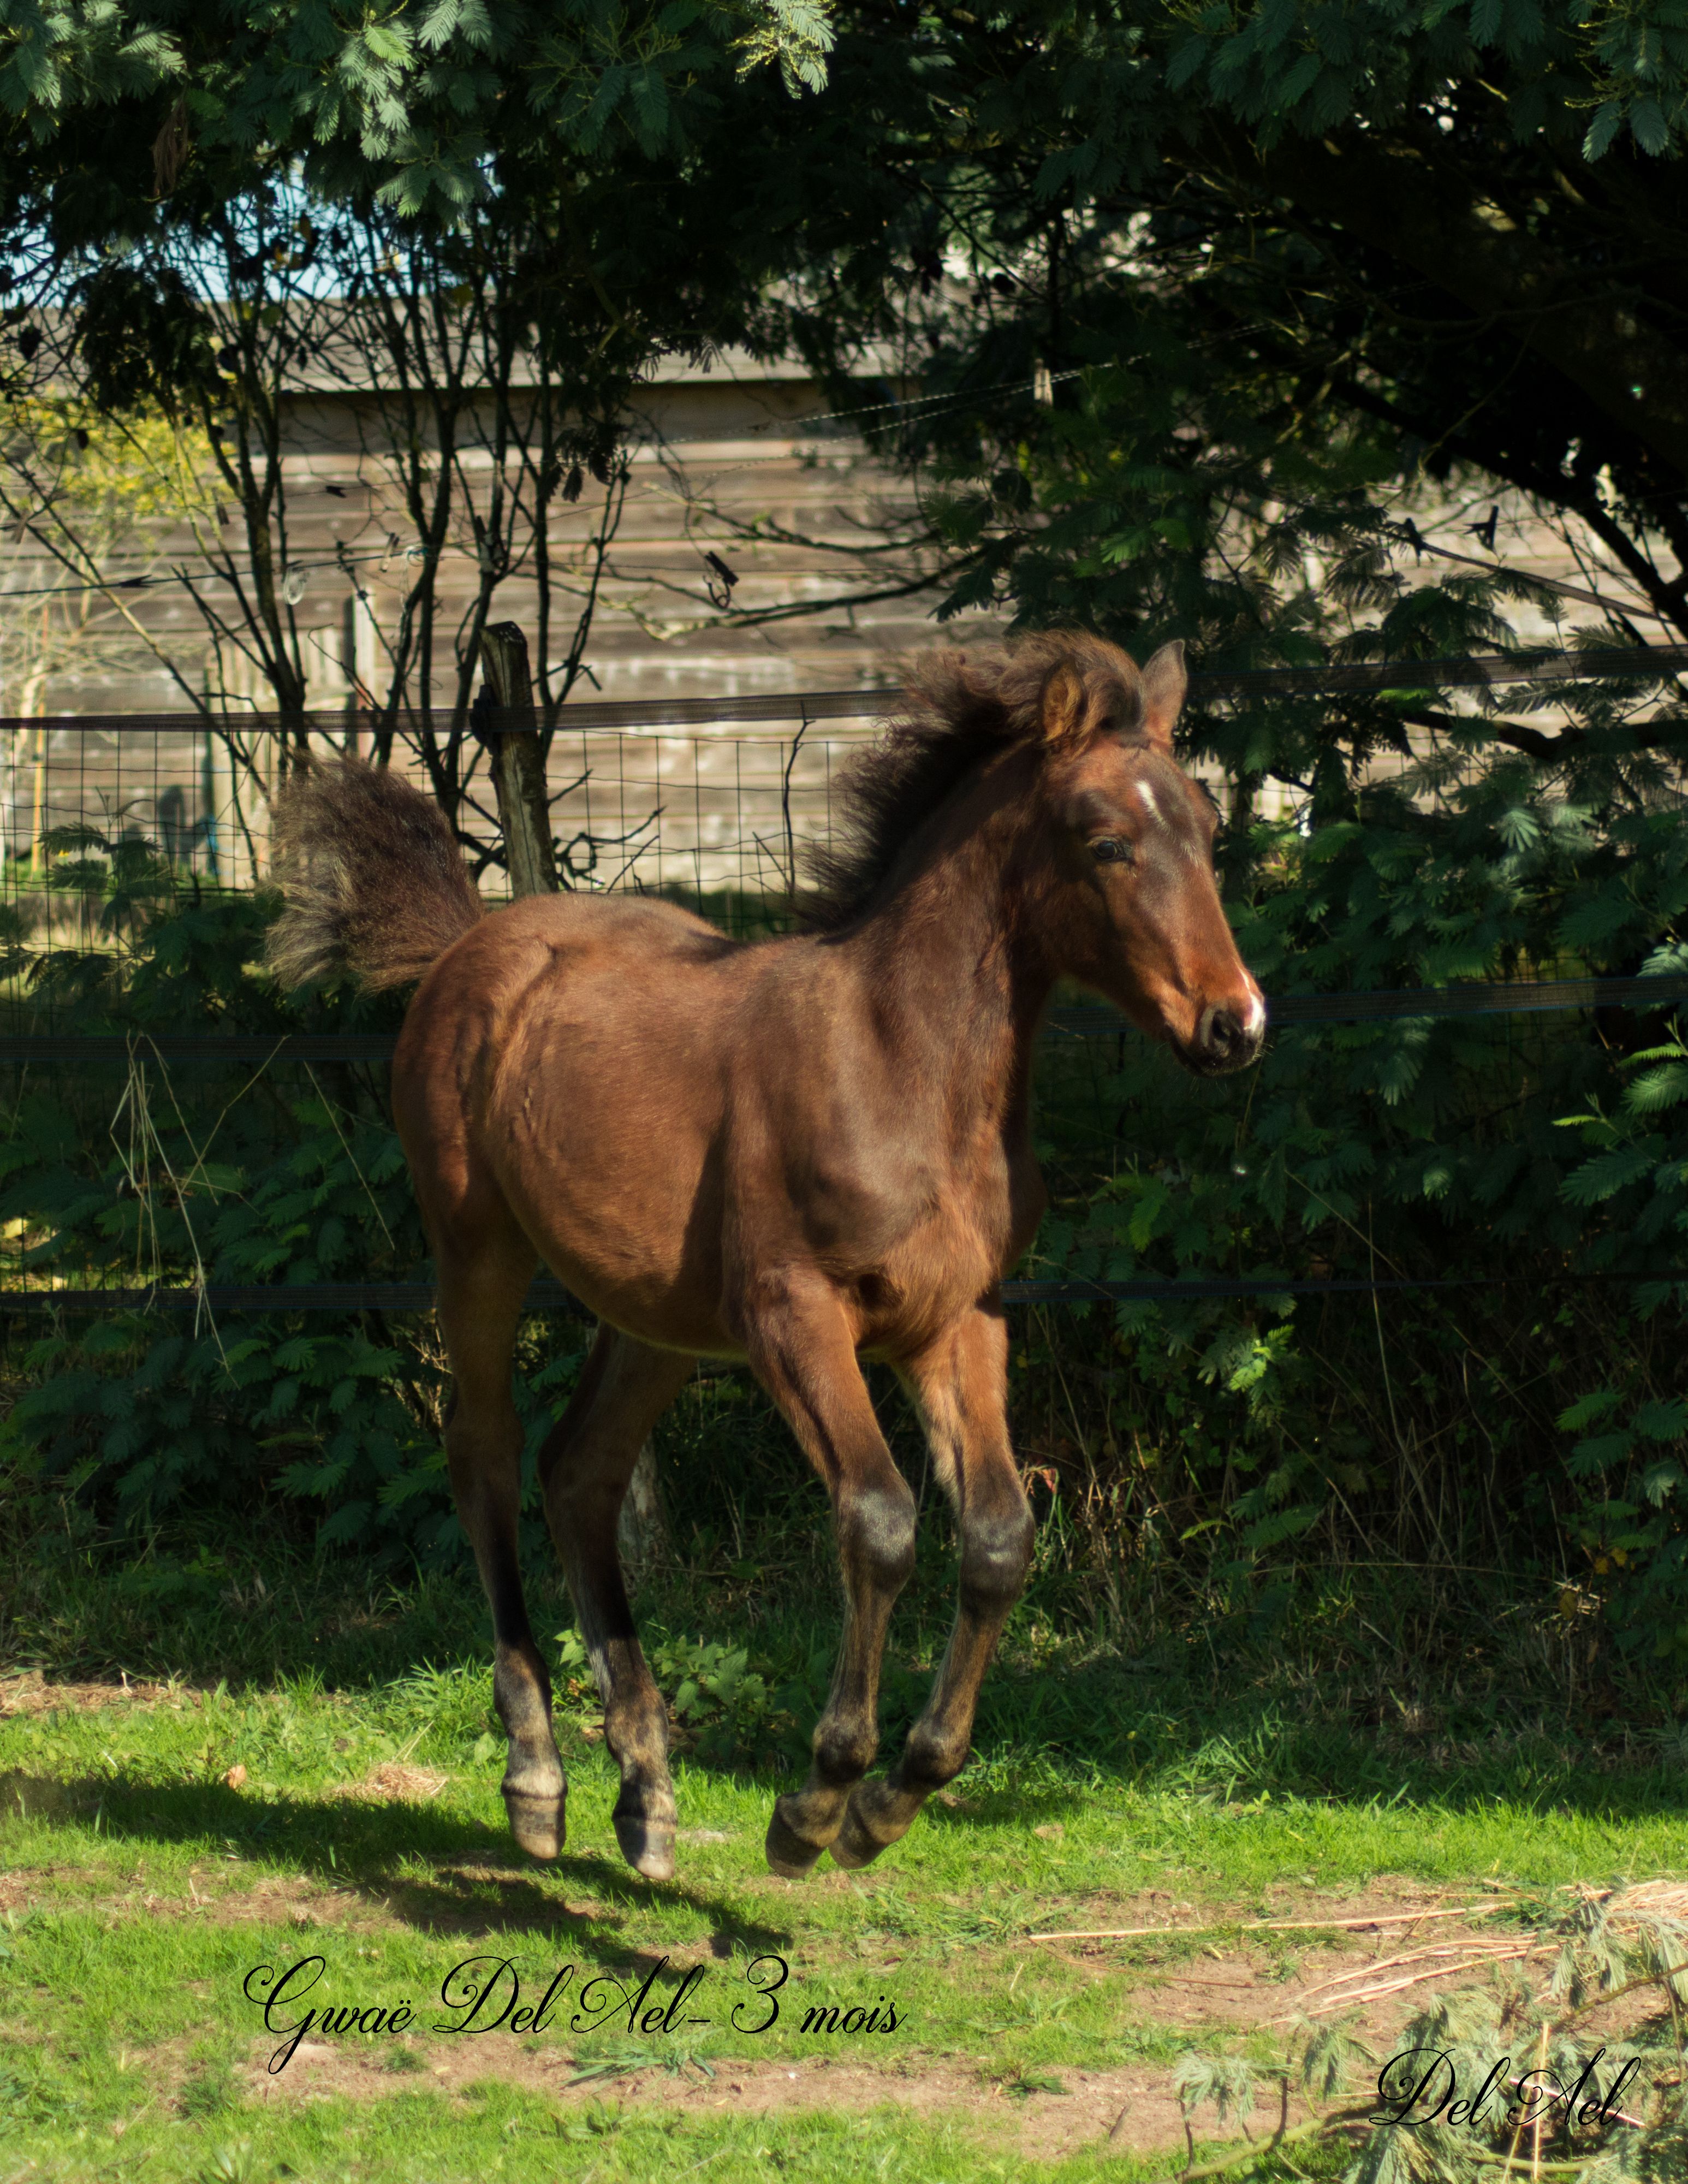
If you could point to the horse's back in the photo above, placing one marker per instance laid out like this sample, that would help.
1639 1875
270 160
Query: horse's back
550 953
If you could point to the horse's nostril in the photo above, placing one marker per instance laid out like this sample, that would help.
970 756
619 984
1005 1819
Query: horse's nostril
1227 1037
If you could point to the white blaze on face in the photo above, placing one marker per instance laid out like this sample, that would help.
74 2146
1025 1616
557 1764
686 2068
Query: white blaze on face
1255 1021
1148 796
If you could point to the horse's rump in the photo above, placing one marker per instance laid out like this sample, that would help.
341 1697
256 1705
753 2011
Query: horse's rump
566 1055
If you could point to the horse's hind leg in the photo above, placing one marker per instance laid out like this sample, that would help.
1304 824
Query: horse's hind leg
960 1387
481 1292
584 1467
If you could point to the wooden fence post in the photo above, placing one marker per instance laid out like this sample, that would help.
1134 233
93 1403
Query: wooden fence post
518 763
525 814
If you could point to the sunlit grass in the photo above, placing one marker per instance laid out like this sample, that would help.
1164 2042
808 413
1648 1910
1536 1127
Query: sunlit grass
156 1851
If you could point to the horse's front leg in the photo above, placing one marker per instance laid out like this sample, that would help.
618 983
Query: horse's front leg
960 1388
803 1348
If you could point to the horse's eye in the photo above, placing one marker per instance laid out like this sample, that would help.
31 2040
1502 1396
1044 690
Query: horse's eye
1109 850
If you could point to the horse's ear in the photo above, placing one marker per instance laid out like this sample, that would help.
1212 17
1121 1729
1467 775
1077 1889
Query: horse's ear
1063 703
1164 685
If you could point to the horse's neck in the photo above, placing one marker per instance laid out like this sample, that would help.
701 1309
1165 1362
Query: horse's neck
957 976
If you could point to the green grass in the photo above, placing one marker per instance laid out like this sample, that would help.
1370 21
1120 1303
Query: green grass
143 1889
1244 1754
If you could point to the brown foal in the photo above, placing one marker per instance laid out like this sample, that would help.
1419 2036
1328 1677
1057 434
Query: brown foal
802 1153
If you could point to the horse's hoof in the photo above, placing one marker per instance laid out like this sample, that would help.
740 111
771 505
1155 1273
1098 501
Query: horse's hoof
877 1815
537 1823
790 1855
647 1846
852 1847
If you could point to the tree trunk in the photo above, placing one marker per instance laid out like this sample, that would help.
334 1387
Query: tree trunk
519 764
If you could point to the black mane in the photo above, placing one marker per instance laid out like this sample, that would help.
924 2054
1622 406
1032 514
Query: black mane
958 710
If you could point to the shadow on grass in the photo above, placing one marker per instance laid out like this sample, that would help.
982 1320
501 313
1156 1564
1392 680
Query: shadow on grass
1167 1736
1218 1712
1046 1738
477 1884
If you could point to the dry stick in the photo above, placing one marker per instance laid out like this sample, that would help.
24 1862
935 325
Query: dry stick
1512 2160
1339 2118
1413 1957
1395 1986
1524 2167
1284 1926
1611 1995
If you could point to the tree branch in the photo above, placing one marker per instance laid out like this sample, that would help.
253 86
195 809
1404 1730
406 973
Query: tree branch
1390 197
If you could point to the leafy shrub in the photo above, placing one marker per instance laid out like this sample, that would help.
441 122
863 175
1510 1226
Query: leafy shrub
1525 1163
1535 1419
145 1173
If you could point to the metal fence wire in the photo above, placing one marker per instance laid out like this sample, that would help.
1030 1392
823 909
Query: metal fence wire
103 820
97 811
713 799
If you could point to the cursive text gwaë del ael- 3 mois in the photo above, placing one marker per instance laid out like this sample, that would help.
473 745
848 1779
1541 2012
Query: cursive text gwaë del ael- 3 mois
485 1994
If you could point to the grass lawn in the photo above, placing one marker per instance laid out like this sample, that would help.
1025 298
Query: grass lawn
160 1845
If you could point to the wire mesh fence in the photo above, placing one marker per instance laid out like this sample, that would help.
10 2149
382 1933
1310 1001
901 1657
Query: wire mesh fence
106 820
712 801
103 818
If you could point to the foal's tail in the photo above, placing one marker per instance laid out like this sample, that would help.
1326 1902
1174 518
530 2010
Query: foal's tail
375 888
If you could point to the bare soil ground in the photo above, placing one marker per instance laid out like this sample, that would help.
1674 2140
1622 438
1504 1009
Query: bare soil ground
1237 1985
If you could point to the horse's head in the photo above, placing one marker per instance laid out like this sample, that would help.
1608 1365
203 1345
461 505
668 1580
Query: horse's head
1139 917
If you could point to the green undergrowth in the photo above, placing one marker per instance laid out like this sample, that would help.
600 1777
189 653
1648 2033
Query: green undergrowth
1524 1424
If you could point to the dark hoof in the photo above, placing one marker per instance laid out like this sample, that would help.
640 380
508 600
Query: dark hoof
537 1822
647 1846
790 1855
853 1848
878 1814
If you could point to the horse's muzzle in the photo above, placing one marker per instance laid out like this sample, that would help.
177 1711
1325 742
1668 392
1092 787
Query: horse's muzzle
1226 1039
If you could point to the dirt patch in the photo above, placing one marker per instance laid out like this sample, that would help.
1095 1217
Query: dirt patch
221 1893
31 1694
1375 1956
1374 1974
1198 1975
1395 1902
394 1784
1040 2121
